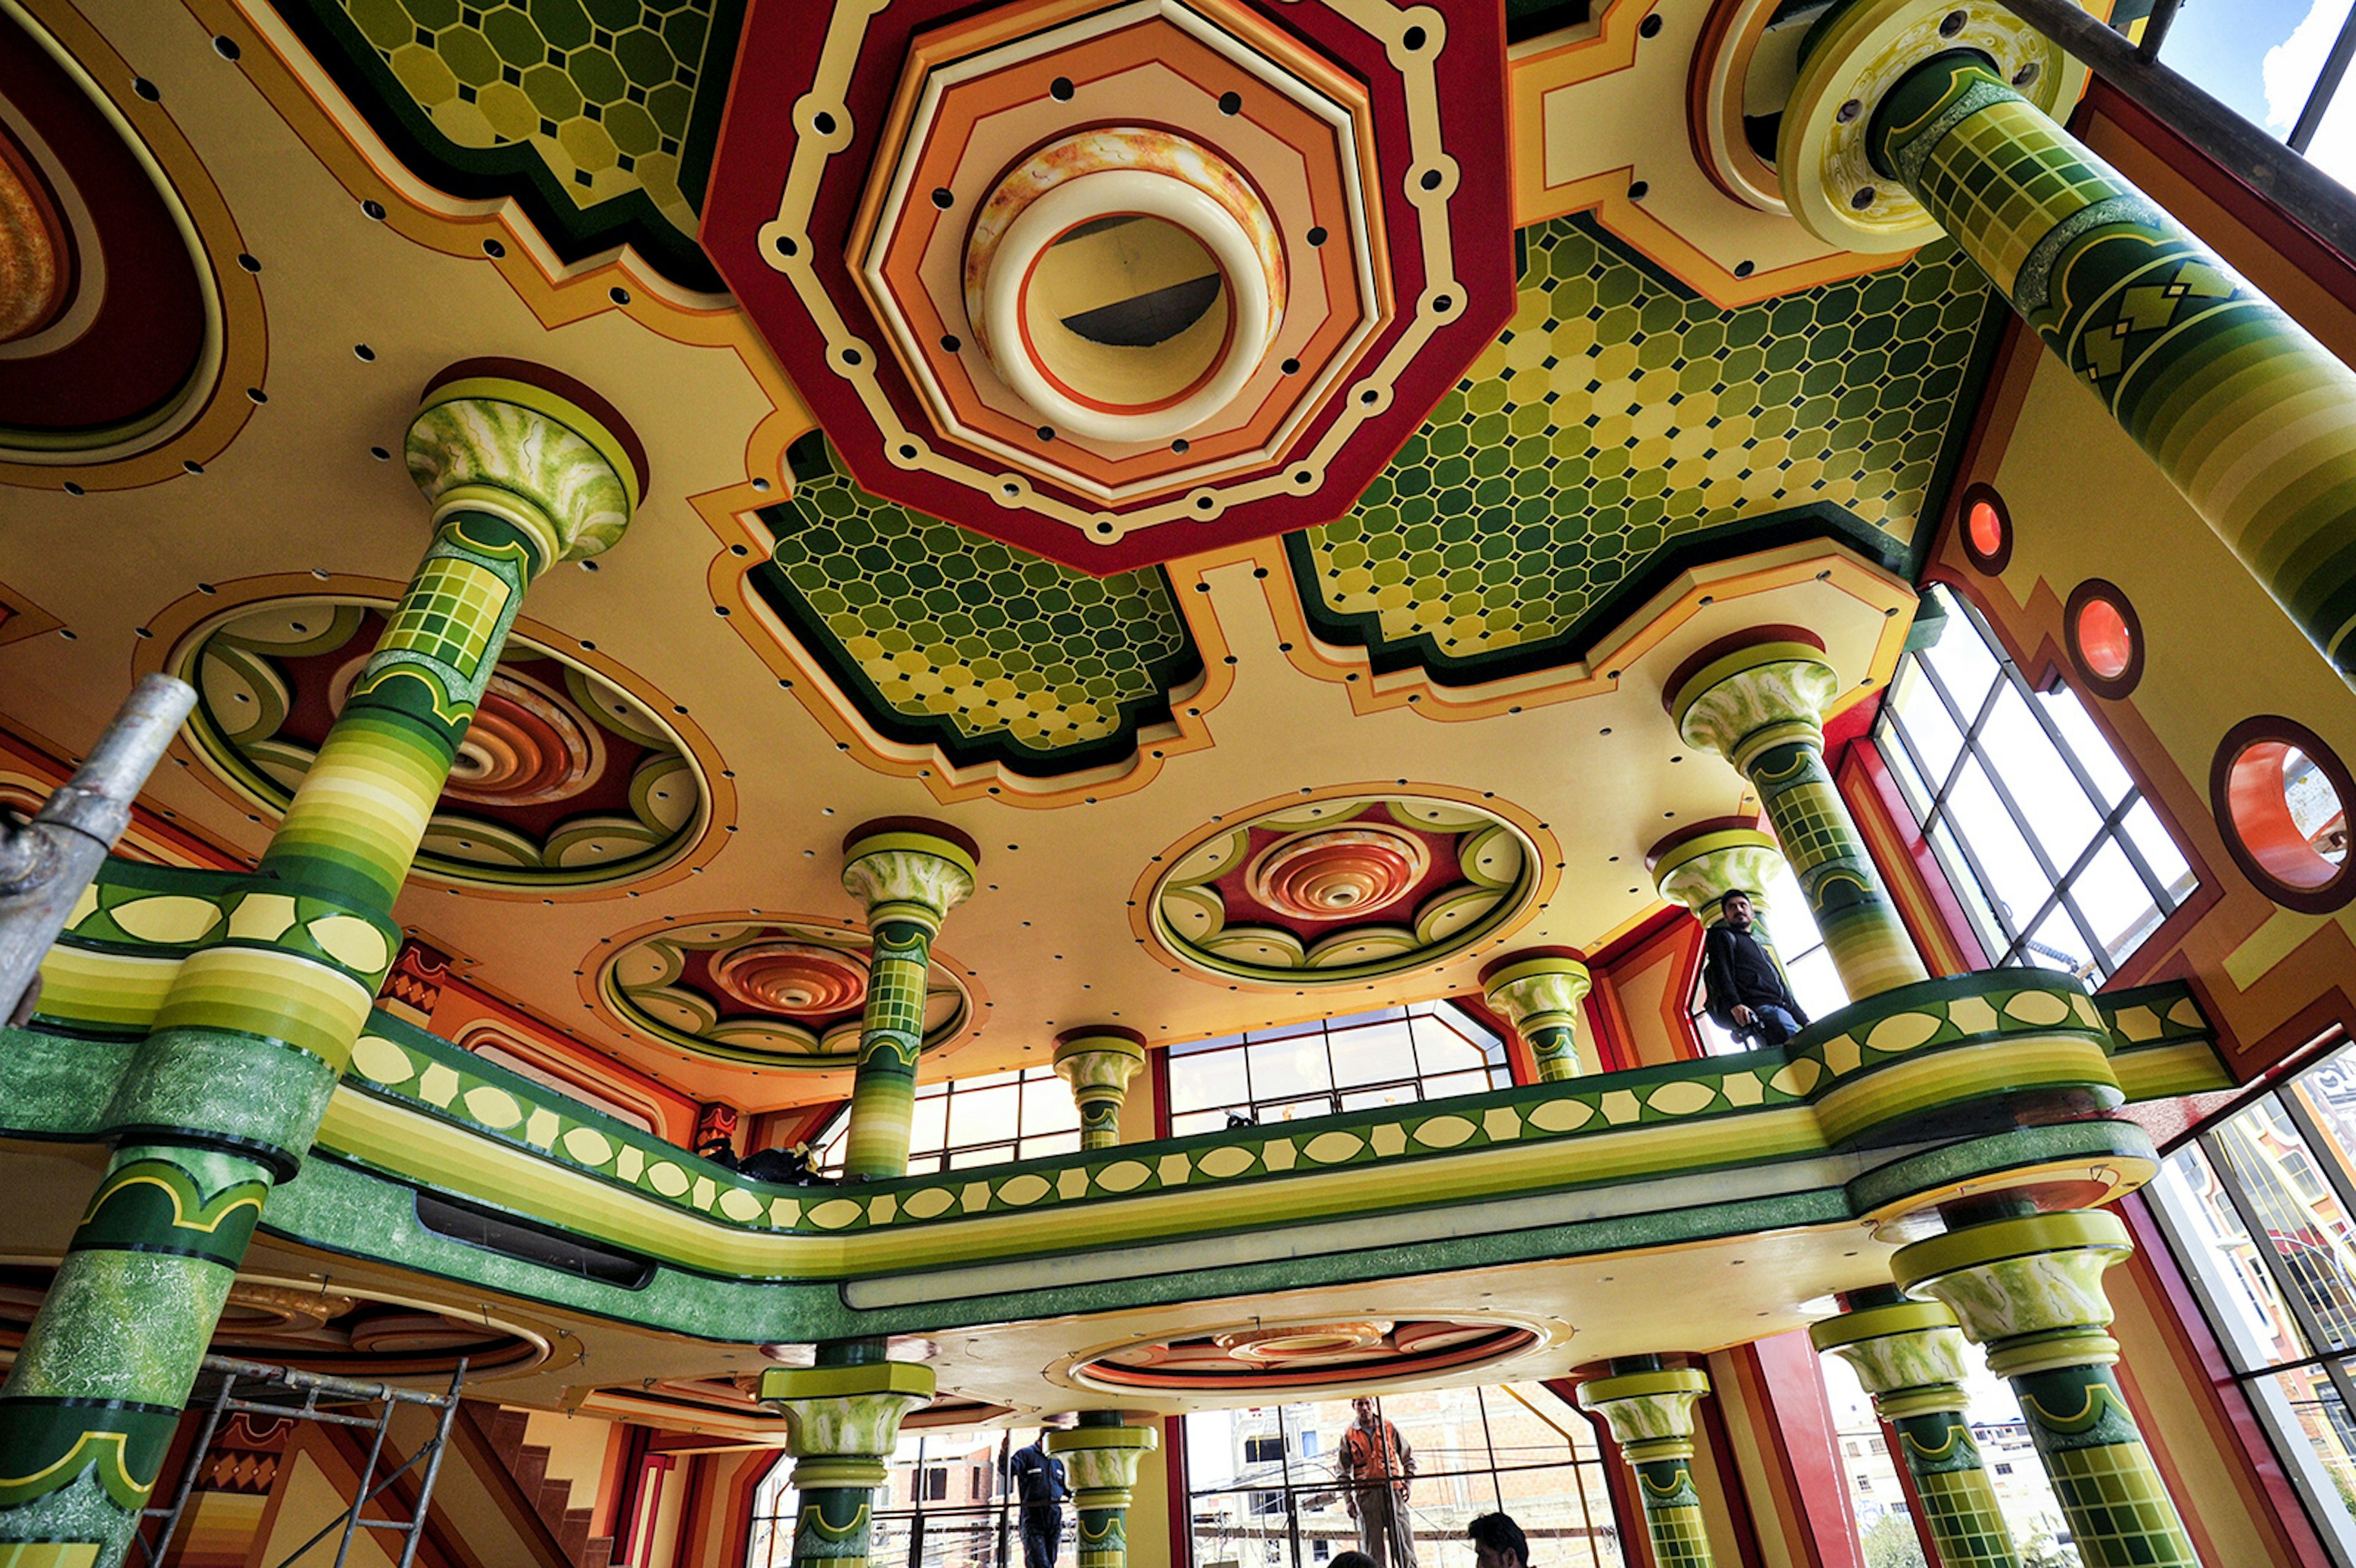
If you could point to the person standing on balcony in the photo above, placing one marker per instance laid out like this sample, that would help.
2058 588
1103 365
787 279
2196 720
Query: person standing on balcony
1376 1466
1743 987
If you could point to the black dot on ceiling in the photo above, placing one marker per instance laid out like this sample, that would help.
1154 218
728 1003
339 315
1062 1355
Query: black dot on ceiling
944 197
1060 90
1649 27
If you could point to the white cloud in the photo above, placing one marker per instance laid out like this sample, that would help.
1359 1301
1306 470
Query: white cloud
2291 67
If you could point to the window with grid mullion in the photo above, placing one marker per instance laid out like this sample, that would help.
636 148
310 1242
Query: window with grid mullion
1998 908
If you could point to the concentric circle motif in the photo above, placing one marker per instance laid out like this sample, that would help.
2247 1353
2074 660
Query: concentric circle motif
344 1332
771 992
1276 1357
1342 890
799 979
562 779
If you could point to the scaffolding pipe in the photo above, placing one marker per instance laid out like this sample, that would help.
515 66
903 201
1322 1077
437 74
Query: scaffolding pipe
46 863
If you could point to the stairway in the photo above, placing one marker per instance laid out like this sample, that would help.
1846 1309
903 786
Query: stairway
528 1462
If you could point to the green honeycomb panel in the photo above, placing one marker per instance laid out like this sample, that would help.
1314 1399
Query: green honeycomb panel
603 106
948 638
1618 419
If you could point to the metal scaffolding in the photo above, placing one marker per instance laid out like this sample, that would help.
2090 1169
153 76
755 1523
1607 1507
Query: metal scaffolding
267 1390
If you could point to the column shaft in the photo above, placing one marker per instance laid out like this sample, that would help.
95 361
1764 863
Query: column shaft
1650 1411
2247 415
2029 1286
1761 705
883 1089
223 1097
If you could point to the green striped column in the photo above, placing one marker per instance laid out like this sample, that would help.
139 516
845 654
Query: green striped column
1098 1062
2029 1287
909 874
2248 416
223 1097
843 1424
1910 1356
1538 991
1100 1459
1761 704
1650 1411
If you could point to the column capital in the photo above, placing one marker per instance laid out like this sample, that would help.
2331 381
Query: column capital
1539 987
909 869
1900 1351
1824 154
2029 1287
1102 1461
1765 686
1699 866
1102 1056
533 448
1649 1413
843 1423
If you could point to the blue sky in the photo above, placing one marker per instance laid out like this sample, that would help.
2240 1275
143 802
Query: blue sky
2225 46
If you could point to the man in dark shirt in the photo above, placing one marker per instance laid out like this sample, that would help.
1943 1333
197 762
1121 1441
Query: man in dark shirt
1038 1477
1742 985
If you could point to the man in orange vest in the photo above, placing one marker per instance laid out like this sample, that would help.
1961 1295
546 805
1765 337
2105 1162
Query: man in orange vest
1375 1465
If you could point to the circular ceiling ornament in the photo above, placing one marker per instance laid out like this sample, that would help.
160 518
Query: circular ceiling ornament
1258 1358
769 991
37 257
1344 889
1014 307
564 780
1126 283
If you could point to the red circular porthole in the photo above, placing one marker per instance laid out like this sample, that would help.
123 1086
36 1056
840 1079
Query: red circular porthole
2281 796
2105 638
1987 528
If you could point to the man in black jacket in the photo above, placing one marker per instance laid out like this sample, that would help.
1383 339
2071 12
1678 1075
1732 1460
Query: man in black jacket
1742 985
1038 1477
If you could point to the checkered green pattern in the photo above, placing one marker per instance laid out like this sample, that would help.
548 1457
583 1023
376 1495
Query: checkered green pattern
449 615
884 1087
2119 1511
1997 176
1964 1518
895 994
1673 1514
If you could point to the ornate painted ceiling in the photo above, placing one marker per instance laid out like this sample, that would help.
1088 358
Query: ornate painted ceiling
1620 408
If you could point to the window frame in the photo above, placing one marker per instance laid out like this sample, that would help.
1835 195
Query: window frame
1445 1012
2014 938
828 1146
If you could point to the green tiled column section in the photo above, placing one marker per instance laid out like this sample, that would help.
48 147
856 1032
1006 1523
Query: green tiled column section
227 1088
909 875
1099 1063
1761 706
1650 1411
1910 1356
1100 1459
1539 993
2029 1287
2251 418
843 1422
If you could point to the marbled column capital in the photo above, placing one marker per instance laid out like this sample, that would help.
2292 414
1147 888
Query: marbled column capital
532 448
905 869
1537 989
1700 865
1103 1058
845 1413
2030 1288
1738 701
1102 1462
1650 1414
1902 1350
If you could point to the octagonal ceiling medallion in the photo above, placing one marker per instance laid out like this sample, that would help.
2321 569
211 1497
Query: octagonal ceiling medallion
1120 283
1349 890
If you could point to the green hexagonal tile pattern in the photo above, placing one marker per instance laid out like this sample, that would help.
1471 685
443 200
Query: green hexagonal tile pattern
1619 420
609 102
948 638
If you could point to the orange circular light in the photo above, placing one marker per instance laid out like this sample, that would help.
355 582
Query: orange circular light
1986 526
2105 639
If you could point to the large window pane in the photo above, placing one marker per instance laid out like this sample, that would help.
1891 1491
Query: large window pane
2262 57
2067 810
1213 1078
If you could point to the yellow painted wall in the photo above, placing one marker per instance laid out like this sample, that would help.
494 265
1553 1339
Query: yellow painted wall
576 1448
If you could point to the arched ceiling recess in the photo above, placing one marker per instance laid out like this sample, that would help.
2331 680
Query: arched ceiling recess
980 651
599 116
121 311
1622 430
